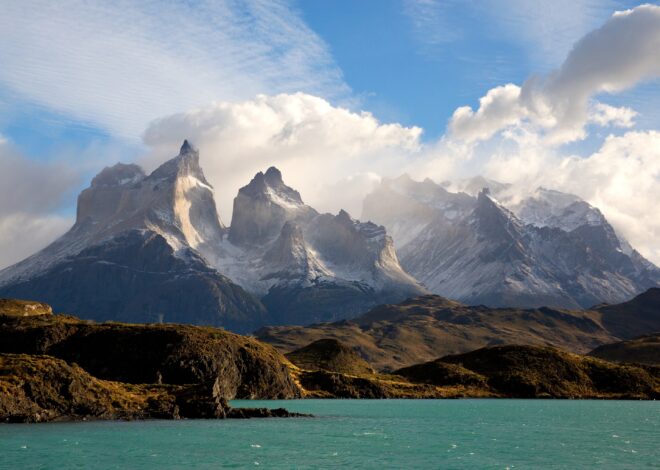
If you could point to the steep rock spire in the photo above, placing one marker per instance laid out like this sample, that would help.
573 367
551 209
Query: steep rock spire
263 206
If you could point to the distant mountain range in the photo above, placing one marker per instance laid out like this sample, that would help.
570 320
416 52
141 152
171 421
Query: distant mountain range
152 248
479 245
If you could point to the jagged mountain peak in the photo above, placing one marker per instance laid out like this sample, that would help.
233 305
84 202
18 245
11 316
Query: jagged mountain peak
551 208
486 203
174 201
344 217
499 226
263 206
186 163
187 147
270 185
474 185
273 176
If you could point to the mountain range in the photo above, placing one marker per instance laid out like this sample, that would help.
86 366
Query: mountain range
477 243
152 248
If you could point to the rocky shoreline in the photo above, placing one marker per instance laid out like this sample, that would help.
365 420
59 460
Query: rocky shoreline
57 367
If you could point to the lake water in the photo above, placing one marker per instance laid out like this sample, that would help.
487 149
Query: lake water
479 434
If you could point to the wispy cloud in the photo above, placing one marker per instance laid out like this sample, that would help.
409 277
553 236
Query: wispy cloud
546 31
431 22
118 65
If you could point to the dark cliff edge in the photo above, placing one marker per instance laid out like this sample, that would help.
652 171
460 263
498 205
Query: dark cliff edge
57 367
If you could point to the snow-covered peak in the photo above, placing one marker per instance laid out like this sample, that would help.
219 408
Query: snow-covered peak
550 208
271 186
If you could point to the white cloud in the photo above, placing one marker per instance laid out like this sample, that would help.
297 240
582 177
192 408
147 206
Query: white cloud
431 22
118 65
348 193
313 143
606 115
23 234
29 194
623 180
620 54
500 108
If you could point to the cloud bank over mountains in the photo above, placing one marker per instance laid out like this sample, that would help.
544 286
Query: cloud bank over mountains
311 141
332 154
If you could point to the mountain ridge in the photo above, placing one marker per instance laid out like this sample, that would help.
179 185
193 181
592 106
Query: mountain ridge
485 246
278 258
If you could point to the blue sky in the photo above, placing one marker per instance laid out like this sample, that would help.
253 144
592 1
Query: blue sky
404 61
86 84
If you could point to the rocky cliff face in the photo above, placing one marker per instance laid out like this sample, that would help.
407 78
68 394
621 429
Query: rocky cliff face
306 266
550 248
56 367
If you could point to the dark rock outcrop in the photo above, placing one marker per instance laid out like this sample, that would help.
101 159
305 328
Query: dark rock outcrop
57 367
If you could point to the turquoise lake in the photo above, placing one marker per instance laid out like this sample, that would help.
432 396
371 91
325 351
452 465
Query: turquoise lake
480 434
